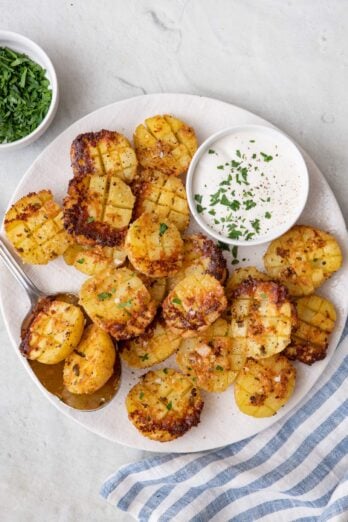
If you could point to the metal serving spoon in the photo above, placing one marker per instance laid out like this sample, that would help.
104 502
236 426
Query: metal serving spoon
51 375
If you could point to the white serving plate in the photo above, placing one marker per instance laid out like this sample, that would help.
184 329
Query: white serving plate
221 422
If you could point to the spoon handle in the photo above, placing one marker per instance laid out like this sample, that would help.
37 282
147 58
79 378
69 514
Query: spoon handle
32 291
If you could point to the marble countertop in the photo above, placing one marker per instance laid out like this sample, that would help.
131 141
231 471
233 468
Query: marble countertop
286 61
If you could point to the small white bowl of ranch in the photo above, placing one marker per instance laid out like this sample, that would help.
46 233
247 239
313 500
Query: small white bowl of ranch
247 185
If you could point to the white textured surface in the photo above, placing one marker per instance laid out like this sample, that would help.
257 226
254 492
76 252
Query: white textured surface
287 61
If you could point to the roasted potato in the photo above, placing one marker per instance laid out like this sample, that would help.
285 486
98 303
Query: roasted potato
241 274
316 321
93 259
163 195
54 331
201 256
98 209
211 360
262 318
118 301
34 226
166 144
264 386
154 246
194 304
302 259
91 364
164 405
156 344
103 153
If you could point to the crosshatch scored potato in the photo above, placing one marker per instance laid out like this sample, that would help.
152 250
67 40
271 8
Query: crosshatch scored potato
241 274
103 153
264 386
118 301
316 321
164 195
54 332
262 318
302 259
94 259
194 304
166 144
91 364
154 246
164 405
34 226
211 359
201 256
156 344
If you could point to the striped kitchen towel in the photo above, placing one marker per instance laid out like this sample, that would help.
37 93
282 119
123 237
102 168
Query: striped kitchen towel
296 470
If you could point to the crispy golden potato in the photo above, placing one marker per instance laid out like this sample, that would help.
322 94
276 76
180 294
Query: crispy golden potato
194 304
163 195
164 405
316 321
98 209
34 226
302 259
93 259
156 344
201 256
54 331
264 386
154 246
241 274
118 301
103 153
91 364
166 144
211 360
262 318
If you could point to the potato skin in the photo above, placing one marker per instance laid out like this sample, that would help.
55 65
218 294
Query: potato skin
164 405
316 321
154 246
163 195
166 144
194 304
104 152
54 331
91 364
264 386
302 259
118 302
34 226
93 259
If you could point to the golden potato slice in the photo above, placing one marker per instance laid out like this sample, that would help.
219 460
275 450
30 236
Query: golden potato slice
156 344
91 364
98 209
154 246
262 318
201 256
302 259
53 332
264 386
34 226
211 360
194 304
93 259
103 153
163 195
316 321
164 405
166 144
241 274
118 301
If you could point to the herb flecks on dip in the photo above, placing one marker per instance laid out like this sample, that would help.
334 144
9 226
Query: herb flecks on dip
25 95
245 186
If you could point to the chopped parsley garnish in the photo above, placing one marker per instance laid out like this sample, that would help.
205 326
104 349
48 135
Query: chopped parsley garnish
162 229
235 262
176 300
266 157
256 225
90 219
268 215
104 295
200 209
219 368
80 261
212 212
220 167
223 246
165 370
125 304
238 153
251 141
144 357
198 197
141 395
249 203
234 251
169 406
211 151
